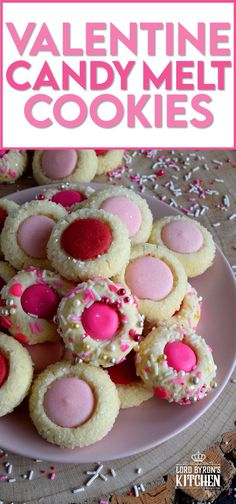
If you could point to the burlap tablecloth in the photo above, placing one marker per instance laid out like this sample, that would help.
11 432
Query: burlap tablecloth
219 176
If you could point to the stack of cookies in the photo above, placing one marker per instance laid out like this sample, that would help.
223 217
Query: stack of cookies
97 312
53 165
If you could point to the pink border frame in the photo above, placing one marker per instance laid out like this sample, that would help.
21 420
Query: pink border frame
1 75
116 1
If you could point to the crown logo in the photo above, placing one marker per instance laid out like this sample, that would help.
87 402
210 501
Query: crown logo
198 457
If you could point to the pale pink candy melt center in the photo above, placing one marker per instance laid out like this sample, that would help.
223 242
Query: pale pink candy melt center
33 235
69 402
127 211
182 236
149 278
58 164
100 321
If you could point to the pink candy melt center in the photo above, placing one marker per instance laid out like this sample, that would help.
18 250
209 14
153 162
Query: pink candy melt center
126 210
44 354
69 402
58 164
100 321
68 198
3 369
149 278
180 356
33 235
40 300
182 236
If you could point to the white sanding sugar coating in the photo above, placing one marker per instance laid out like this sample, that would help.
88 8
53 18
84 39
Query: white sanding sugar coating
108 160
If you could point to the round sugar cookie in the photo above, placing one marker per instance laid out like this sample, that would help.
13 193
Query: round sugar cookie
6 207
89 243
188 240
176 364
131 390
73 405
189 312
131 209
66 194
16 373
12 165
70 165
157 280
108 160
29 304
26 232
99 321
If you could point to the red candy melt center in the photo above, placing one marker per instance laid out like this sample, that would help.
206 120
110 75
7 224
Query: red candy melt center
125 372
86 238
41 301
101 152
3 216
3 369
180 356
68 198
100 321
